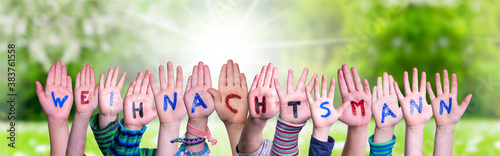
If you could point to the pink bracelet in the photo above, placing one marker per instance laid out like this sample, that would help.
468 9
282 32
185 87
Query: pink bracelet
202 134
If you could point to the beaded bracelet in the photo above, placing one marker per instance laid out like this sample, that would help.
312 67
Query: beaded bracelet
189 141
202 152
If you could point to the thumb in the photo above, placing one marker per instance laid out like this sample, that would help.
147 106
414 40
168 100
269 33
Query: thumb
466 102
39 90
342 108
215 94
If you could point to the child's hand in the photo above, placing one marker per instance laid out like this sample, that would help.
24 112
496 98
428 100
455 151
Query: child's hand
446 110
352 93
385 109
293 105
57 99
231 100
85 90
110 98
262 96
199 103
138 105
414 105
169 104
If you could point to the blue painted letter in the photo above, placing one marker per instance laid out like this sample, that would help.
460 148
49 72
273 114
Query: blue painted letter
387 111
58 100
413 104
167 100
197 102
111 99
323 107
442 104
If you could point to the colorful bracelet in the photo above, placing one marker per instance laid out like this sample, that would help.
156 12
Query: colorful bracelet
189 141
205 151
202 134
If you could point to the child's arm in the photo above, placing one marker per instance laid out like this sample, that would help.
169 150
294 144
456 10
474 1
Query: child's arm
416 112
263 105
323 114
199 105
85 101
170 107
386 113
359 116
294 113
231 101
56 102
447 112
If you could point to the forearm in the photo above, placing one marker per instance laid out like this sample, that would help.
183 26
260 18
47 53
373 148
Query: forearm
77 137
58 133
198 123
414 136
356 140
234 133
382 135
104 119
443 142
321 133
168 132
251 135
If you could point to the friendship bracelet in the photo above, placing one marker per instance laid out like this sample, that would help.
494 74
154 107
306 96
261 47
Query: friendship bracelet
189 141
202 134
202 152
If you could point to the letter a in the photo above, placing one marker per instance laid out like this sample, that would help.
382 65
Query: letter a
197 102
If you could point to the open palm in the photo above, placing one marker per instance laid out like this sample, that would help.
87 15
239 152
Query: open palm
323 118
138 104
414 115
57 98
199 103
293 105
352 93
169 104
263 92
85 90
110 98
385 108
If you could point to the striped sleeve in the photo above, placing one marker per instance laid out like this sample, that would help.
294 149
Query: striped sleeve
103 136
126 141
381 149
286 138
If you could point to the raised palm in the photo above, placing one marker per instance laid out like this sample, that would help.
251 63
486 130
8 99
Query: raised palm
385 108
414 115
293 105
169 103
441 103
138 104
356 96
231 99
323 112
262 88
57 99
85 90
199 103
110 99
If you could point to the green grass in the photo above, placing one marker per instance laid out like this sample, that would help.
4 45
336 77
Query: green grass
472 137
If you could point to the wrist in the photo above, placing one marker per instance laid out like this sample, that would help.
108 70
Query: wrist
234 125
83 115
199 123
109 117
321 134
383 134
132 127
170 125
446 128
55 121
415 127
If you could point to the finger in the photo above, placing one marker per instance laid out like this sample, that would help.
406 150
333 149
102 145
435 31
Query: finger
58 73
200 73
429 90
188 86
348 78
391 86
243 82
39 90
207 77
466 102
138 80
357 81
254 82
415 80
230 73
51 75
131 89
406 83
152 84
83 74
215 95
170 75
96 91
289 82
145 82
423 81
342 83
194 76
308 92
163 81
302 80
262 76
367 87
115 76
223 75
275 75
269 74
331 93
385 84
179 78
379 87
323 86
64 74
236 74
101 81
398 91
316 88
310 85
278 89
92 77
121 81
77 80
454 86
70 84
87 74
439 89
446 82
108 77
374 96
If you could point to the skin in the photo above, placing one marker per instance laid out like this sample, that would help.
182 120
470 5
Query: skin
352 90
198 82
59 83
384 93
445 124
85 81
414 123
107 112
251 136
170 120
322 125
286 112
231 81
139 91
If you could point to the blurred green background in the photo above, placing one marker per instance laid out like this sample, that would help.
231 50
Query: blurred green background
374 36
